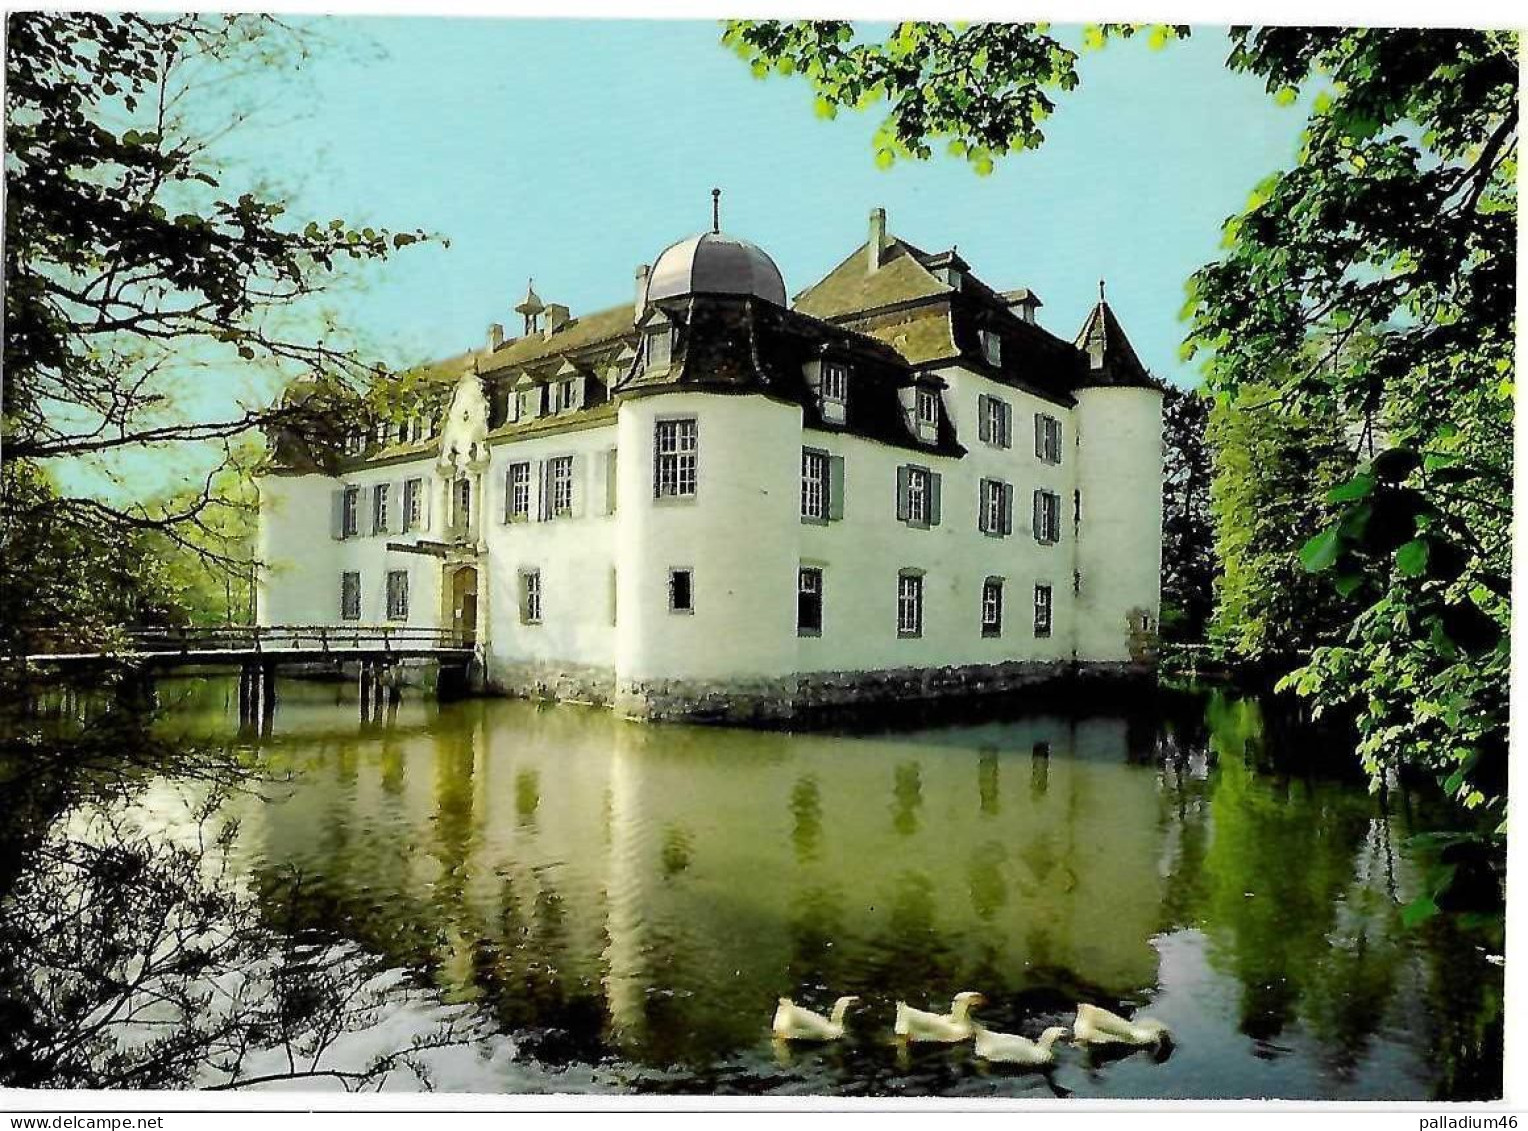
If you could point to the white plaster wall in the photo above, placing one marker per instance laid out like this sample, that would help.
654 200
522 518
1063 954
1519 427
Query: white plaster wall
574 555
1119 547
862 554
300 584
737 535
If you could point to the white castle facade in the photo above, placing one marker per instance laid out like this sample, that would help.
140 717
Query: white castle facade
713 503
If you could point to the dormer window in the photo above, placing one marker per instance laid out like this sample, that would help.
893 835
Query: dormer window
992 348
834 396
928 414
659 347
566 395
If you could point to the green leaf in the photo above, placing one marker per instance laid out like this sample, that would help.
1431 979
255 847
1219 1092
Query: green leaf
1356 488
1411 559
1418 911
1321 551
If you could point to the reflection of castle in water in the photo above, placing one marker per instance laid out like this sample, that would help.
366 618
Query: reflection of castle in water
689 875
598 885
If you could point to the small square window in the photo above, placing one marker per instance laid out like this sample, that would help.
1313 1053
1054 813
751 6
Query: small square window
910 605
928 408
681 591
834 398
517 492
530 596
676 445
1047 517
1042 610
992 607
809 602
379 495
560 472
814 485
397 594
1047 438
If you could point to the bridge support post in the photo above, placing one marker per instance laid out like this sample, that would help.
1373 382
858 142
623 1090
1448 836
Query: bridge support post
267 694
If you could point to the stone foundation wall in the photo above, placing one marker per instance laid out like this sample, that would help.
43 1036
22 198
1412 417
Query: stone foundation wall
538 679
794 699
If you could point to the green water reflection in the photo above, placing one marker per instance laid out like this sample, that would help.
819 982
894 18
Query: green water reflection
638 896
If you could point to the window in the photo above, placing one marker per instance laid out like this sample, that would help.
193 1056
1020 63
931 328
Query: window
560 477
681 589
659 345
814 485
461 495
995 508
351 512
992 607
675 442
567 394
517 492
413 504
994 422
835 392
917 496
1047 517
910 604
397 594
350 596
1047 438
1042 610
928 408
809 602
530 596
379 495
992 347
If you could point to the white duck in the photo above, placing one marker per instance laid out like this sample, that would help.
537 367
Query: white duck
1095 1026
795 1023
1010 1048
946 1028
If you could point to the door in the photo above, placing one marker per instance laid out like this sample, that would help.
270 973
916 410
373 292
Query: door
464 604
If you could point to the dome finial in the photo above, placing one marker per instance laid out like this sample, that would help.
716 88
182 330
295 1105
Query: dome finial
716 210
1100 290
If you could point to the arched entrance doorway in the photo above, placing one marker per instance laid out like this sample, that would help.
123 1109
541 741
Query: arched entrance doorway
464 604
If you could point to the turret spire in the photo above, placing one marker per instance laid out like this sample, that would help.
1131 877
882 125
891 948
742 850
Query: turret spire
716 210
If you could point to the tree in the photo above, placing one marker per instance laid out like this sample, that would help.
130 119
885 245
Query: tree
132 269
1189 567
1396 228
1271 468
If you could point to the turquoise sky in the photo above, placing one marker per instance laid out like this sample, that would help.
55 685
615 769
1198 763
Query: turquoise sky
574 150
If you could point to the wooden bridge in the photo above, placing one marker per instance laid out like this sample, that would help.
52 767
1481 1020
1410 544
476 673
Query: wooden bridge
200 646
260 650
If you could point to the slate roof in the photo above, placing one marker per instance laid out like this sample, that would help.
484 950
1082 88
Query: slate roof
851 289
1103 336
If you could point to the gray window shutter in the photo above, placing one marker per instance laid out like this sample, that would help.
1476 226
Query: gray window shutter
337 514
580 396
1007 508
983 422
903 475
982 487
579 487
835 488
395 507
363 510
543 492
426 495
509 494
1039 529
610 480
933 498
1039 435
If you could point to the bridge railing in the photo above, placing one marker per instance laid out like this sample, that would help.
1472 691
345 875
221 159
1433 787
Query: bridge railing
319 639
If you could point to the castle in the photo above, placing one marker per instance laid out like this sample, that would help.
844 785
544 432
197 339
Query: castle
715 503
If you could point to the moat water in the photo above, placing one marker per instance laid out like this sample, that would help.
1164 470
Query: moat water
616 907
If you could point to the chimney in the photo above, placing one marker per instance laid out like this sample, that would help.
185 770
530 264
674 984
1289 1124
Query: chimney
557 316
643 273
495 336
877 245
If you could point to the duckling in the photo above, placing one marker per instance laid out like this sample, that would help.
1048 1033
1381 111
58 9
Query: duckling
918 1025
1097 1026
1010 1048
794 1023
